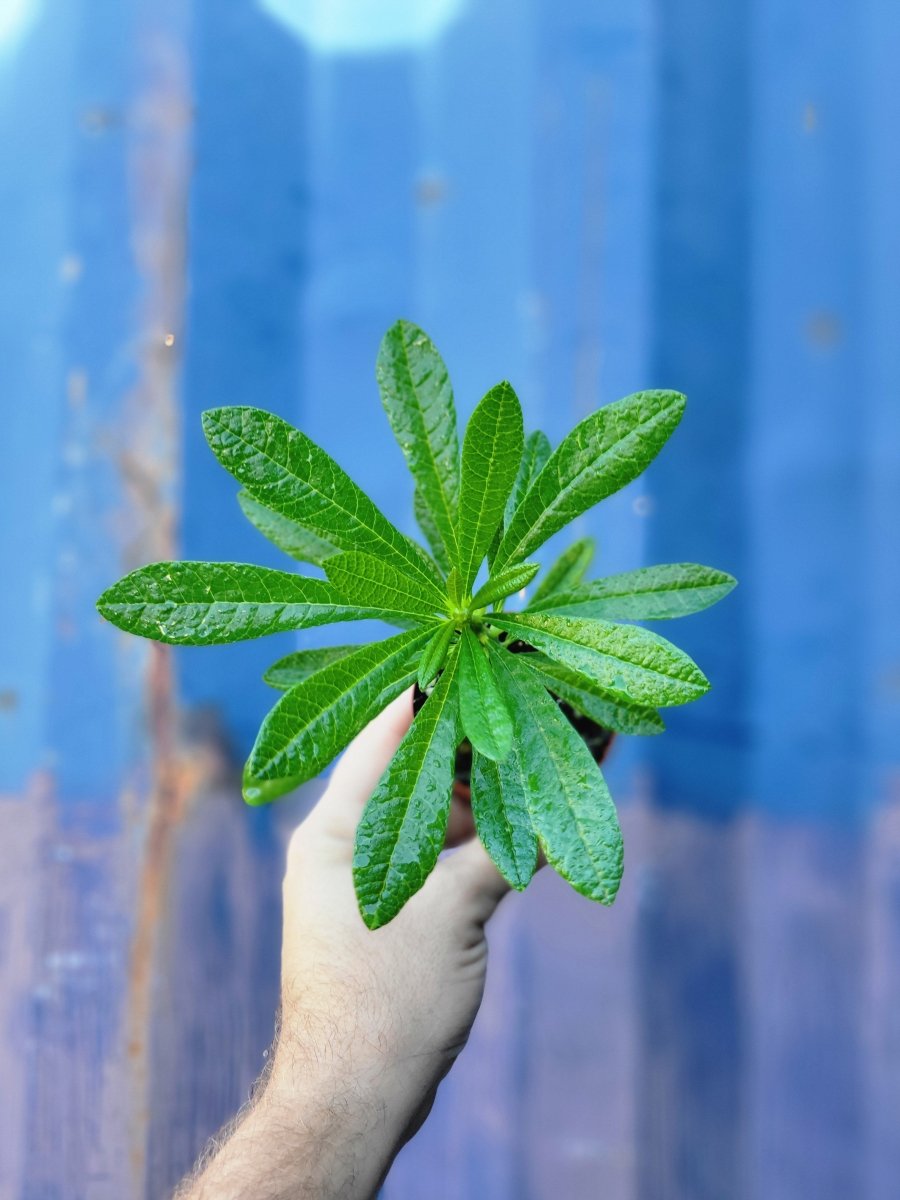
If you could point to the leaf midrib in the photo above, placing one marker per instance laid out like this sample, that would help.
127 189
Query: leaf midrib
517 763
327 712
393 551
451 549
639 709
602 653
642 591
473 647
389 585
600 875
551 508
469 569
425 750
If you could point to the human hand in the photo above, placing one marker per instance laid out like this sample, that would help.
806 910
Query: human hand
371 1021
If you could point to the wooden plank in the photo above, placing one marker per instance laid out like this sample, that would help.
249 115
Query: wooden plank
690 1010
804 967
585 198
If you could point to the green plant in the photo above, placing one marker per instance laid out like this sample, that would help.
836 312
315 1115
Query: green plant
534 782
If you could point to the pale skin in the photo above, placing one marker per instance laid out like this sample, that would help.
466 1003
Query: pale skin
371 1022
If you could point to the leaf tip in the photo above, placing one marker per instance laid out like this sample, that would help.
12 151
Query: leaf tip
211 417
257 791
372 918
404 326
106 604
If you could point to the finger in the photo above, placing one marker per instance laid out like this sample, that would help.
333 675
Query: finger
469 872
361 766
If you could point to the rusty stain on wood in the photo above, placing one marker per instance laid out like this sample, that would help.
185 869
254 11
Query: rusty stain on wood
148 458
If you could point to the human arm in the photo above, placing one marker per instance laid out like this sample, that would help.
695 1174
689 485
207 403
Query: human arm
371 1021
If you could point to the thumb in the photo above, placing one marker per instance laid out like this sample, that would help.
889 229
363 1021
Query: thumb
469 873
360 767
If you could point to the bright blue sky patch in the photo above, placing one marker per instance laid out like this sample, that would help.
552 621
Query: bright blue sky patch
362 26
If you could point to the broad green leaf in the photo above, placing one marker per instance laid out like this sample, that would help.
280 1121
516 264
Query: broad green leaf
434 654
418 399
586 697
312 722
287 472
404 823
568 801
287 672
568 570
455 589
606 451
535 454
500 809
648 594
360 578
634 664
200 603
492 451
286 534
504 584
426 523
483 713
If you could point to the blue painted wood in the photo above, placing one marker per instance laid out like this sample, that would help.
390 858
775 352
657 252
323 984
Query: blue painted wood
248 217
199 207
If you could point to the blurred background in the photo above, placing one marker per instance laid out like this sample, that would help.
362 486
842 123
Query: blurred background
206 203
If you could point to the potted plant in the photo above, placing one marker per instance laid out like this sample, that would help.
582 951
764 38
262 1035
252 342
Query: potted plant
528 690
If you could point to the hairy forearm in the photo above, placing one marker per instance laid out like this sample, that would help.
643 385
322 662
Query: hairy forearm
311 1133
291 1153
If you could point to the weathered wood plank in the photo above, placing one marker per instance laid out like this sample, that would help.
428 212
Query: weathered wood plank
583 198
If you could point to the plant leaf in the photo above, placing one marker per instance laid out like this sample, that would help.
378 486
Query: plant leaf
604 452
200 603
492 450
504 584
633 664
287 672
586 697
568 801
455 589
258 792
535 454
648 594
418 399
404 823
287 472
426 523
567 571
312 722
434 654
483 712
287 535
360 578
500 809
